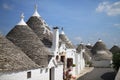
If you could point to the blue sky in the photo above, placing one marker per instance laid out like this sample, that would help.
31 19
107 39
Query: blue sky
83 20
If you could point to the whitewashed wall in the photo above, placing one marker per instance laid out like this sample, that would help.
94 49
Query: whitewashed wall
118 75
59 72
35 75
82 61
70 53
78 63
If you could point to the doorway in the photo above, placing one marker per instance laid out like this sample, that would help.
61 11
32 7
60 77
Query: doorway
52 73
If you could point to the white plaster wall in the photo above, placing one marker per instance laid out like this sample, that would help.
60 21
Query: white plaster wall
102 63
70 53
59 72
78 63
81 61
118 75
51 64
35 75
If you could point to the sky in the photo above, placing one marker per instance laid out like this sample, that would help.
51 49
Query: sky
83 20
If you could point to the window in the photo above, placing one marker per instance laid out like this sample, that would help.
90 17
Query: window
46 70
41 70
62 59
29 74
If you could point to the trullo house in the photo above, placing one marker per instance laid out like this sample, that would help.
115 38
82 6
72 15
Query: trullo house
14 64
101 55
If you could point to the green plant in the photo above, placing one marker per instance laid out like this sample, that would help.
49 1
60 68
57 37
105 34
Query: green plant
116 61
73 65
89 63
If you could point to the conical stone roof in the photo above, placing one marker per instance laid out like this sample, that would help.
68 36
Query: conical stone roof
89 46
115 49
40 27
87 52
64 39
23 37
12 58
100 51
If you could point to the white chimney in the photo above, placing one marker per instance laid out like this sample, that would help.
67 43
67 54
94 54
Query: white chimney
55 44
62 32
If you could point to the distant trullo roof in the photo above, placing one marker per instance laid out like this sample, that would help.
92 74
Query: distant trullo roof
100 51
115 49
12 58
87 53
89 46
40 27
64 39
23 37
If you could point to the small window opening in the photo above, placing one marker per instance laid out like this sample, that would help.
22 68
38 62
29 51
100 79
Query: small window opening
29 74
41 70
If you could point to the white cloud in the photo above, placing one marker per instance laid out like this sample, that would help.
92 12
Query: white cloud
7 6
111 9
79 39
116 25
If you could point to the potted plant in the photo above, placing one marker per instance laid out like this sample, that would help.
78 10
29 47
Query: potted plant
73 65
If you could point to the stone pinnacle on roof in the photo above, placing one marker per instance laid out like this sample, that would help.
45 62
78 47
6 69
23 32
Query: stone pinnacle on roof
89 44
62 32
81 43
99 40
36 12
22 22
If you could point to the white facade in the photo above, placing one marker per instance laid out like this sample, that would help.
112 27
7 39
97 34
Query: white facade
59 72
80 62
37 74
70 53
78 59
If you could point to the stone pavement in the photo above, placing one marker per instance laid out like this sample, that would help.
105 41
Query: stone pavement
83 72
99 74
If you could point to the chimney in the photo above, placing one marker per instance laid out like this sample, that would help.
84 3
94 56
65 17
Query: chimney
55 39
62 32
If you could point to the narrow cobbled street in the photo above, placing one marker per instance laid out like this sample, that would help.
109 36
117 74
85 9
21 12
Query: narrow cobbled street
99 74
